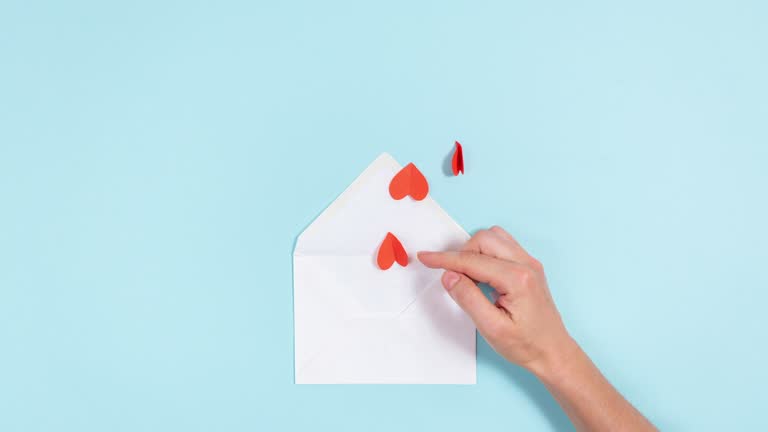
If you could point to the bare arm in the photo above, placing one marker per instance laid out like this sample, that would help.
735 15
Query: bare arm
589 400
524 326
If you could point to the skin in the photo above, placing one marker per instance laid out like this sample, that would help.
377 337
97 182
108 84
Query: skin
525 327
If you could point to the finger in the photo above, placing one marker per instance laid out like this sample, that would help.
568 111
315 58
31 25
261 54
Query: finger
489 242
503 233
482 268
471 299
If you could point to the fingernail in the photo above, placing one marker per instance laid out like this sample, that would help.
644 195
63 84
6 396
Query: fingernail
450 279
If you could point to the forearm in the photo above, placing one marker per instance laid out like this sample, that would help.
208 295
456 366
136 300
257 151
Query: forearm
589 400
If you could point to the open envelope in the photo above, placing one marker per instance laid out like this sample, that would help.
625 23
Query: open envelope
355 323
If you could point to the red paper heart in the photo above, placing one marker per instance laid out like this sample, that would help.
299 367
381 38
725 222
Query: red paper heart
457 163
409 181
391 250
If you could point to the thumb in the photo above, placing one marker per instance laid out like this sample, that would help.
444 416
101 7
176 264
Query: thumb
472 300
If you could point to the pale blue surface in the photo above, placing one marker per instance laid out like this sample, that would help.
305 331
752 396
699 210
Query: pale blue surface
158 159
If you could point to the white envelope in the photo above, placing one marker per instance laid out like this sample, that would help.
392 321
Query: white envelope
355 323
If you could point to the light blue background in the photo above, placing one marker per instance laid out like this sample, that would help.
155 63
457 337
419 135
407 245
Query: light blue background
158 159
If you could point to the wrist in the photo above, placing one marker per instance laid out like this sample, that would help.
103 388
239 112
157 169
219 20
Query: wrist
559 363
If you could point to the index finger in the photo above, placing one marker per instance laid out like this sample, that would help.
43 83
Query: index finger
482 268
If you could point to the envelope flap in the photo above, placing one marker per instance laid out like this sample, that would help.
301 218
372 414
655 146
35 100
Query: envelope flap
357 221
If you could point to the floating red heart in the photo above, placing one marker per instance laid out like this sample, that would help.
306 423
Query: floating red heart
457 163
409 181
391 250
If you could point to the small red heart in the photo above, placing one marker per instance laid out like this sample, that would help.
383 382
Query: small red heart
391 250
409 181
457 163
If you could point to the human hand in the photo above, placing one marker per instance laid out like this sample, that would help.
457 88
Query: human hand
523 325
